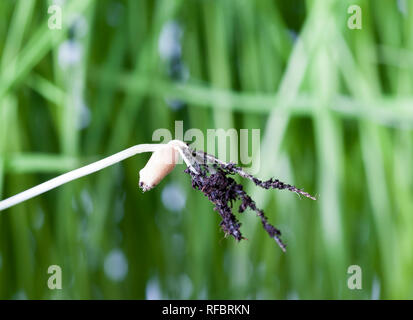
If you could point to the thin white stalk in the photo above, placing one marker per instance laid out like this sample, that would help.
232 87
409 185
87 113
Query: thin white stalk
78 173
188 158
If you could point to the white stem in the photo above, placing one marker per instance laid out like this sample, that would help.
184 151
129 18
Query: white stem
78 173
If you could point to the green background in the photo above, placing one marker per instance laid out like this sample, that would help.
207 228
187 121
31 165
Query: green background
334 106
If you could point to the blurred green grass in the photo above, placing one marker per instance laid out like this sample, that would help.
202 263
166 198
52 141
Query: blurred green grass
334 107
